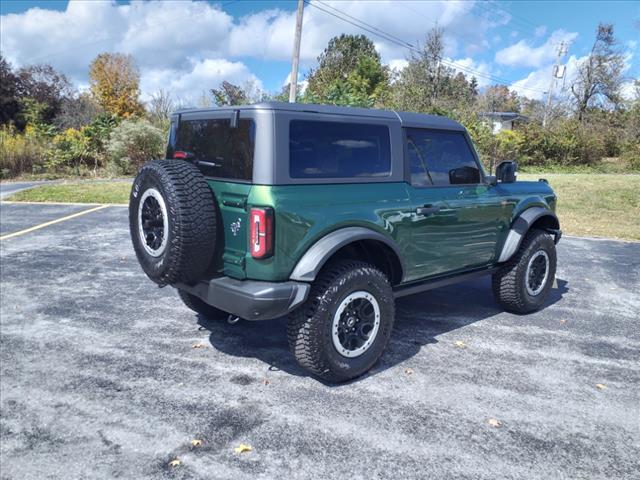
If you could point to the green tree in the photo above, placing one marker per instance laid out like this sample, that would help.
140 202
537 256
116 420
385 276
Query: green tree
427 85
349 72
9 86
115 84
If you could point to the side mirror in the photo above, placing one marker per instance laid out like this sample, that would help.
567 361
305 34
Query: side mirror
507 171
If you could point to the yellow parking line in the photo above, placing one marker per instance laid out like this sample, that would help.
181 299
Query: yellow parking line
52 222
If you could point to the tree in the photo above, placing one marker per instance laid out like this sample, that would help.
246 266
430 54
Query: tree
349 72
44 85
427 85
599 76
229 94
160 107
115 84
76 111
498 98
9 86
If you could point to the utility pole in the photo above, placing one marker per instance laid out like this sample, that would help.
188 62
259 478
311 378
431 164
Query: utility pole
293 82
557 72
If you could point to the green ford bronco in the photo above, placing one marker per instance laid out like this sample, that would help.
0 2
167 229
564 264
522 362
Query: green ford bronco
327 215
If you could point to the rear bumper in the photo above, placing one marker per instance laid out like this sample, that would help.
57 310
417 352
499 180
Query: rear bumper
250 299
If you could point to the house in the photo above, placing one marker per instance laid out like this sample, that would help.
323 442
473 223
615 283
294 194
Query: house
503 120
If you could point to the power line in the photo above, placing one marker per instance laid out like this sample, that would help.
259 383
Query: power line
393 39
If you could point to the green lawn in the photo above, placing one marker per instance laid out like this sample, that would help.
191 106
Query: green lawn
77 192
605 205
600 205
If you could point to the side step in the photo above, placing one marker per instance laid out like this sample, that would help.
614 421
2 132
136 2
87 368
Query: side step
441 281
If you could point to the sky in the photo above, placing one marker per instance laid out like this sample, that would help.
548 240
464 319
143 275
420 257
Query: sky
188 47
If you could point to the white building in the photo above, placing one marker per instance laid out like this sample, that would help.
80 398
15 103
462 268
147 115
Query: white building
503 120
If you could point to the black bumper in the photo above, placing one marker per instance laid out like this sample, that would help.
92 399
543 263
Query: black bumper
250 299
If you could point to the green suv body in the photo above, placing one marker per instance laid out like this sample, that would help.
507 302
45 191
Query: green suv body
327 214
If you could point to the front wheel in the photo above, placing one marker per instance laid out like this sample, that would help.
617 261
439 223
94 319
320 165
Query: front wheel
523 283
345 324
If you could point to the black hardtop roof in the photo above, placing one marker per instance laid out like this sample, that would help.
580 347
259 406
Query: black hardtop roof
407 119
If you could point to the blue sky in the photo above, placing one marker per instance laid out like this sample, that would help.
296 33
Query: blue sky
189 47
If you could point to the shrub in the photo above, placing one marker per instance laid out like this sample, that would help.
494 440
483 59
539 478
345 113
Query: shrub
132 144
21 152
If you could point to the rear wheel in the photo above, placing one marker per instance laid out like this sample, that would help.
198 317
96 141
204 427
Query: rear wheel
523 283
199 306
345 324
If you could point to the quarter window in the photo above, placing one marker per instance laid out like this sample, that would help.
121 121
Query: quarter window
440 158
338 150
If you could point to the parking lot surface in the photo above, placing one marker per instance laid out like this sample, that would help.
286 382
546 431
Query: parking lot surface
100 377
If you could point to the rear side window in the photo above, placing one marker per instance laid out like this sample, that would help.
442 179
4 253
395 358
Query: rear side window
217 149
338 150
440 158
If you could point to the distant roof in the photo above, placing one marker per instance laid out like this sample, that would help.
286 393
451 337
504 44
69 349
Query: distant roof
504 116
407 119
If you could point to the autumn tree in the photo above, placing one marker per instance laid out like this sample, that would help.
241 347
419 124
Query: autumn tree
498 98
599 76
115 84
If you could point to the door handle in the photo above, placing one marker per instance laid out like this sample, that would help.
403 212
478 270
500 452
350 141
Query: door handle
427 210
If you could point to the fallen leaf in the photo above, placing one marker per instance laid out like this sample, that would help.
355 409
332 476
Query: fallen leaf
408 371
197 345
460 344
196 443
242 448
494 422
175 462
266 381
600 386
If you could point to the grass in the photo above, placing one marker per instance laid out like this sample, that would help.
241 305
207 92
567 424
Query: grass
77 192
599 205
596 205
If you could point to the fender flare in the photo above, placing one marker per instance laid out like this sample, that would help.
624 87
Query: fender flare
317 255
521 225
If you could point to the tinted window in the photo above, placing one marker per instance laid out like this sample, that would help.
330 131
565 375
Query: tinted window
440 158
338 150
228 151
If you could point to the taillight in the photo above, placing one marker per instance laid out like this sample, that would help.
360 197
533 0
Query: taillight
261 236
179 154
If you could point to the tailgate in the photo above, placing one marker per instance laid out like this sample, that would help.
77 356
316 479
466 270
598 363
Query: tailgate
232 235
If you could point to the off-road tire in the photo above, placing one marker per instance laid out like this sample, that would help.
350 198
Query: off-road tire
192 220
509 282
309 327
199 306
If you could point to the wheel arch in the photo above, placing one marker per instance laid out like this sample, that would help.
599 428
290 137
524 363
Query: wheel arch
352 242
532 217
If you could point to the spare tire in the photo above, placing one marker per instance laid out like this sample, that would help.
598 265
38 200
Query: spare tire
172 218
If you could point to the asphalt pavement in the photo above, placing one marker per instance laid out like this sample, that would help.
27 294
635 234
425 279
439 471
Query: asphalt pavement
104 375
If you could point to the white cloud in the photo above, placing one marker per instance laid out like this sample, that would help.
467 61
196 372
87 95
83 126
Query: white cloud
201 76
468 66
168 35
540 31
522 54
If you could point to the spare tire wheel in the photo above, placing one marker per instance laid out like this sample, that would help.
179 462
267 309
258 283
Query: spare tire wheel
172 218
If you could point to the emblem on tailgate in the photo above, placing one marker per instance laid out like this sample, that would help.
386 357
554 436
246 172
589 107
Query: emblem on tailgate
235 227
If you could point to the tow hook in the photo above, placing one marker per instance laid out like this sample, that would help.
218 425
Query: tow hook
233 319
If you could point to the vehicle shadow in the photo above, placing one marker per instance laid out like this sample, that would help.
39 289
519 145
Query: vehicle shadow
420 319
